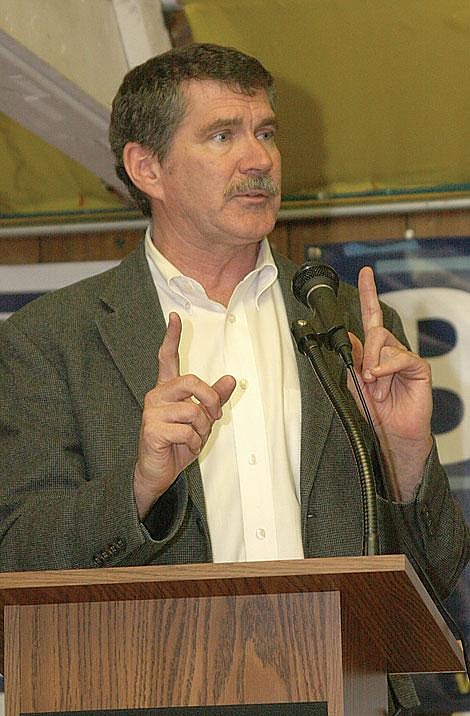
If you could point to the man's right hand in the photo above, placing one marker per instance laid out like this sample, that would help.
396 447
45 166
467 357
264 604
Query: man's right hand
178 416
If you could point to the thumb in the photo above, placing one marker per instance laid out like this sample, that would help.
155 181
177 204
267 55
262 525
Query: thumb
225 387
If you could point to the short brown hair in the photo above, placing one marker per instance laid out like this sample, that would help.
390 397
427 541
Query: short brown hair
150 104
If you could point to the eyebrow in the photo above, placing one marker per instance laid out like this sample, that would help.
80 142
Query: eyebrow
221 123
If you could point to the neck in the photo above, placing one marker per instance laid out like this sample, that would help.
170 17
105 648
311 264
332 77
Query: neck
219 268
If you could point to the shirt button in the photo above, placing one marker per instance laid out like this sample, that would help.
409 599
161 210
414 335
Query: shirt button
252 459
243 383
260 533
231 318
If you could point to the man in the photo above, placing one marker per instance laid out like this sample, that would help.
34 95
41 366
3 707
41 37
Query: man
234 453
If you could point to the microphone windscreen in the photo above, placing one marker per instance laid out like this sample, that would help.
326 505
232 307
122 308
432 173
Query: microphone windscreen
310 275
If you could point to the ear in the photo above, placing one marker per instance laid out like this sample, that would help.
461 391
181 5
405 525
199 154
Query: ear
143 168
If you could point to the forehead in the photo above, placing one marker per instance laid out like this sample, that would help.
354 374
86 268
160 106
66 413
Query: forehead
206 99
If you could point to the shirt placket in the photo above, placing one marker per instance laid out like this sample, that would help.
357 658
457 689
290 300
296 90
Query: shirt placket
250 441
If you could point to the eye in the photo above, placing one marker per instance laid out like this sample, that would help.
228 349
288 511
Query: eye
221 137
266 135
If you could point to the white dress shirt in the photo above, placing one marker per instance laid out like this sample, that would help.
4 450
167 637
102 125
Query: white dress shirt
251 461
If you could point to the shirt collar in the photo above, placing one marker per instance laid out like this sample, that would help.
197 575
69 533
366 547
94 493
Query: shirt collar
189 291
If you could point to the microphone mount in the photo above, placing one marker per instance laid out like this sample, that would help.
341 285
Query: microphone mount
316 286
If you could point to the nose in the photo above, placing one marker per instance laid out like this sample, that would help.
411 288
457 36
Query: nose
257 156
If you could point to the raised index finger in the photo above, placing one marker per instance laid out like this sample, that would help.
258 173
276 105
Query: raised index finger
370 307
168 357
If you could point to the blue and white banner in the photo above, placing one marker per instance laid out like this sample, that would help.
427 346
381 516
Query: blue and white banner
20 284
428 282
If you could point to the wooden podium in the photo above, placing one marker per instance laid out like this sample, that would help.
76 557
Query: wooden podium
313 636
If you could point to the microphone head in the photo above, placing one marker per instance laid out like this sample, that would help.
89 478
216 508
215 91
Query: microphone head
311 275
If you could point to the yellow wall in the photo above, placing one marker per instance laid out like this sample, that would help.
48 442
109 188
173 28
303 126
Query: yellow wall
374 94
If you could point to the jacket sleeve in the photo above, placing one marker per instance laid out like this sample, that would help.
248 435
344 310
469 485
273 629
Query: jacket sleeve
430 528
57 508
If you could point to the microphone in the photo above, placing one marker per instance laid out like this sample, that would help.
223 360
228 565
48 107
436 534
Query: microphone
316 286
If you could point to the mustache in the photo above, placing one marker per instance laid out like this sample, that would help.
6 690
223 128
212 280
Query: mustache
262 183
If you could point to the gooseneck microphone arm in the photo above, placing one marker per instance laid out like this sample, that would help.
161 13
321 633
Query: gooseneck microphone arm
307 343
316 286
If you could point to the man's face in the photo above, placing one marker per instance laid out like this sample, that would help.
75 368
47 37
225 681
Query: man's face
220 181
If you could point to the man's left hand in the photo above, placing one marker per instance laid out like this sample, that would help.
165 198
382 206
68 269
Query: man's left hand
397 388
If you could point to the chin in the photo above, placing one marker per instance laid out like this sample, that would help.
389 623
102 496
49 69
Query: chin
255 228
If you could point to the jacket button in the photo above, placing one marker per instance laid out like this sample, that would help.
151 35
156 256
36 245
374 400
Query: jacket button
427 519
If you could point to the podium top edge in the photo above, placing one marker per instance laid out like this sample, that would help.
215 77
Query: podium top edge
54 579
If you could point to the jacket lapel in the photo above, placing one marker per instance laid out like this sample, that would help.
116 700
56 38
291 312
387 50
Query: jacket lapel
132 327
131 323
317 410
